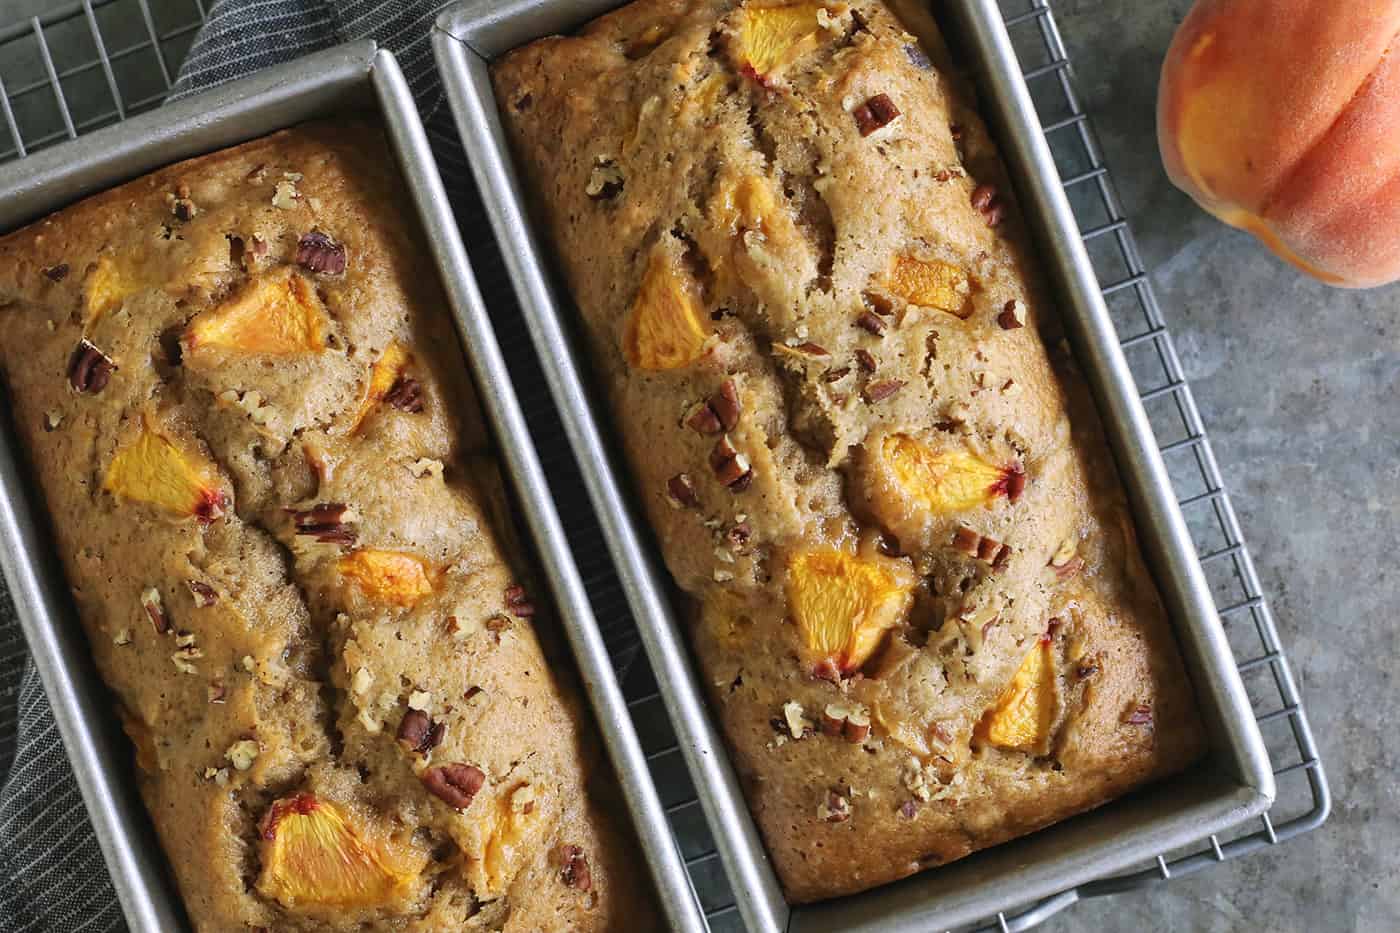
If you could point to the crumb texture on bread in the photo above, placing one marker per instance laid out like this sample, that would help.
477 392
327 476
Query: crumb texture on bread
271 487
848 410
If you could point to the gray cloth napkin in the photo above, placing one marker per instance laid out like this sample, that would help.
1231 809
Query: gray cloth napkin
52 876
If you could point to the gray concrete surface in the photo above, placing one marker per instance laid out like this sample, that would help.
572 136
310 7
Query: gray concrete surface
1297 384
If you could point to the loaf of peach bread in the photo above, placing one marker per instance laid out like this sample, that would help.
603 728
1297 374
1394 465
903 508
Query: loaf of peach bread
871 466
239 387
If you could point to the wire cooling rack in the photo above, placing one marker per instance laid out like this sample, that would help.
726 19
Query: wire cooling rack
79 66
86 64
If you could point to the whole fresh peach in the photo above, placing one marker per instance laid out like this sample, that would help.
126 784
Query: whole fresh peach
1282 118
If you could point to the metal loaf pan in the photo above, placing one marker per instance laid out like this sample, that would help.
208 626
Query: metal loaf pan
360 77
1233 785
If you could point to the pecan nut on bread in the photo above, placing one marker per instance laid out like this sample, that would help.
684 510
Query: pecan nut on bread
914 583
269 481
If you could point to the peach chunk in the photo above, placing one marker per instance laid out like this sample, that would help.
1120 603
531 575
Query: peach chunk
843 604
948 480
108 286
389 576
383 373
930 284
512 824
1280 118
314 856
664 330
153 470
277 313
1023 715
773 37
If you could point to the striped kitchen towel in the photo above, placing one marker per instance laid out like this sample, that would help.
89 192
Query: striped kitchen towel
52 876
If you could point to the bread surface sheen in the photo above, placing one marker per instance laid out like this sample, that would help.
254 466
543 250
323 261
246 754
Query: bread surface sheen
869 461
270 484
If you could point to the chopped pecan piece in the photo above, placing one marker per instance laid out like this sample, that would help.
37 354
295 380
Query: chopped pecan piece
879 391
327 522
1139 715
988 203
605 181
836 375
875 113
725 404
203 593
870 323
866 360
56 273
836 808
738 536
731 468
966 540
89 368
455 784
155 610
406 394
878 303
681 492
828 670
804 351
574 871
418 733
983 547
317 252
720 412
1071 568
704 420
1012 481
1011 316
1002 556
518 603
852 722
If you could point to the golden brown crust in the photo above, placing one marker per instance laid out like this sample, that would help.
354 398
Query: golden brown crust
279 551
916 595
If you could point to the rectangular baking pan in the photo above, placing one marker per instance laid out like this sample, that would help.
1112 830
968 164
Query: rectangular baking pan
1233 785
356 76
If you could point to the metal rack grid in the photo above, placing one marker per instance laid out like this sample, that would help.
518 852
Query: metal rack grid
94 62
83 65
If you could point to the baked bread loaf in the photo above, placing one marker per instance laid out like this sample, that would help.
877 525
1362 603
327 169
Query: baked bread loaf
270 484
916 594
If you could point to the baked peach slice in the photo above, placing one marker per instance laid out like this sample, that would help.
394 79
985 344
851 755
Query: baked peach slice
929 283
513 822
384 374
108 286
949 480
313 855
1024 714
388 576
843 605
772 37
750 204
277 313
664 330
153 470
